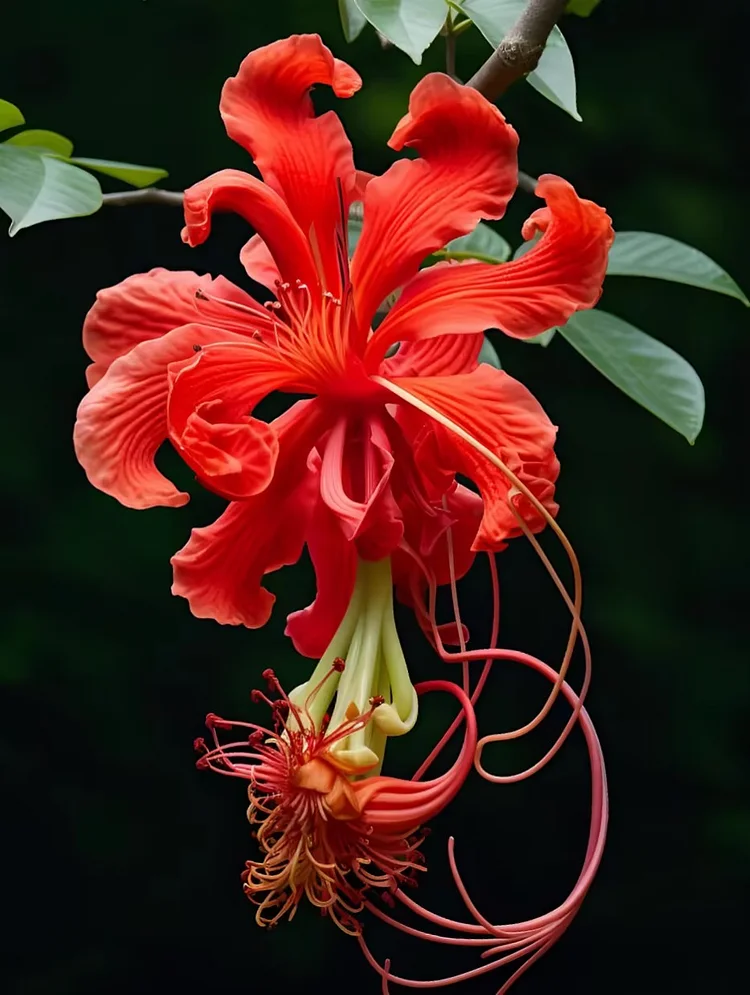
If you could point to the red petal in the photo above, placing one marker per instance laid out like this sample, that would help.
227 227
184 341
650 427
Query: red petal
122 420
562 274
441 356
210 420
463 518
267 109
261 207
335 562
501 414
221 568
467 172
146 306
361 179
355 484
259 263
235 460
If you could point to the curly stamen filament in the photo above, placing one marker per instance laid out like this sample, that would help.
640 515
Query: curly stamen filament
448 734
488 656
454 601
532 937
573 604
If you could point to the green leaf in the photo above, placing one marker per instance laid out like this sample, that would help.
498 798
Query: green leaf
554 77
543 338
641 253
46 141
136 176
352 19
527 245
488 354
581 7
411 25
10 116
654 375
483 243
36 188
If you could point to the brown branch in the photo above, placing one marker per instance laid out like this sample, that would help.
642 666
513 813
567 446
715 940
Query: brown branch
149 195
520 50
450 46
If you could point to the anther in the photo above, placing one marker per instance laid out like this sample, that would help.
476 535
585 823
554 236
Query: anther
200 744
197 348
201 296
201 763
338 665
257 336
214 722
257 696
377 699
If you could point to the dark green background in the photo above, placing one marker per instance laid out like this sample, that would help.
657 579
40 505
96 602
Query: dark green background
122 863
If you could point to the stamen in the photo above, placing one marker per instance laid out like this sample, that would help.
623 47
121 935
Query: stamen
201 295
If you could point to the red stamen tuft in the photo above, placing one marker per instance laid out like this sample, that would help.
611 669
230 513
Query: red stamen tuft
338 665
322 835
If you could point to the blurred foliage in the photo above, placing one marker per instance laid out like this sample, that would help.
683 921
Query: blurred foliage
122 863
40 180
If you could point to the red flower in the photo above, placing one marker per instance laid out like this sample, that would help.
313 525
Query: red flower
370 461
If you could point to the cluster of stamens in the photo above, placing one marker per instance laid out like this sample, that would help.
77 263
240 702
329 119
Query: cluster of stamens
311 335
307 816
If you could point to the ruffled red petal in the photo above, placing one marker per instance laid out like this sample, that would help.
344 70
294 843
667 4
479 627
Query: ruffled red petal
441 356
261 207
122 420
335 561
146 306
502 415
561 274
267 108
467 171
210 420
221 569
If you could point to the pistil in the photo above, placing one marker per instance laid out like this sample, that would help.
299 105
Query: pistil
375 669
